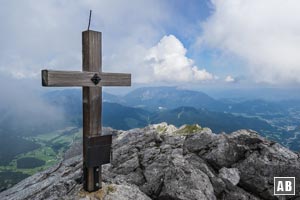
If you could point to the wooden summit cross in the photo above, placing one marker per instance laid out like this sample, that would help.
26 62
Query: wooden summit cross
96 147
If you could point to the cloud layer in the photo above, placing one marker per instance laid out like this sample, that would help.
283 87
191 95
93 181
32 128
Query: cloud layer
263 33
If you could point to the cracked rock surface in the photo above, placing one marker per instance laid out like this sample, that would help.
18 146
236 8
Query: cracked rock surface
165 163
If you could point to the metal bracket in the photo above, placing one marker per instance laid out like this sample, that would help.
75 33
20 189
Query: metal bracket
97 180
98 150
95 79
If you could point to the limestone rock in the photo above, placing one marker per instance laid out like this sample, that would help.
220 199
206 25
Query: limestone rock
230 174
153 163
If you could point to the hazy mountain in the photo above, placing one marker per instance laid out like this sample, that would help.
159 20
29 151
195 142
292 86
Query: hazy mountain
156 98
71 96
114 115
162 98
141 107
268 94
256 106
123 117
217 121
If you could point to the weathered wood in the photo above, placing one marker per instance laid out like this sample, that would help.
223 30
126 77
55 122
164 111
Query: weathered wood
77 78
92 100
91 79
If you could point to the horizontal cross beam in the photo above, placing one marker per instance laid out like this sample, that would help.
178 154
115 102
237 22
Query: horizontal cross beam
84 79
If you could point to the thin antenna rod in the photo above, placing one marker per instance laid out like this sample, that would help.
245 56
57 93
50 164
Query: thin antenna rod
90 20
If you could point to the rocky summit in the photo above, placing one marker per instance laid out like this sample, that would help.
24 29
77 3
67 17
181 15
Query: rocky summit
164 162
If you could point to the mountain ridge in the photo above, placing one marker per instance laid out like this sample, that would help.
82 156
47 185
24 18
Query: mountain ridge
139 116
170 98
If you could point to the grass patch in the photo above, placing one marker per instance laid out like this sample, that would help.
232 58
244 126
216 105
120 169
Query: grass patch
110 189
188 129
161 129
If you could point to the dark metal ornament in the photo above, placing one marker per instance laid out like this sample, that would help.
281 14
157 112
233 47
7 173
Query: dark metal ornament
95 79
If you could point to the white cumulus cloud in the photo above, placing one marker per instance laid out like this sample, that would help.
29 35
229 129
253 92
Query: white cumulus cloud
169 63
263 33
229 79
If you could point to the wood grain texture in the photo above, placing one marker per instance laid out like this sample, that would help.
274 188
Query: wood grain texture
77 78
92 96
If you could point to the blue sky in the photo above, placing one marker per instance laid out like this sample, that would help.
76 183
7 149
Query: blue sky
195 43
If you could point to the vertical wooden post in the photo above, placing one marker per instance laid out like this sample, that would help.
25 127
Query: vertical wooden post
92 108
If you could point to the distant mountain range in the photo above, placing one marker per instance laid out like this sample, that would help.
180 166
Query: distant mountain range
144 106
157 98
217 121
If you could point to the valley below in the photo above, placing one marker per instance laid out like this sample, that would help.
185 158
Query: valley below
42 151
